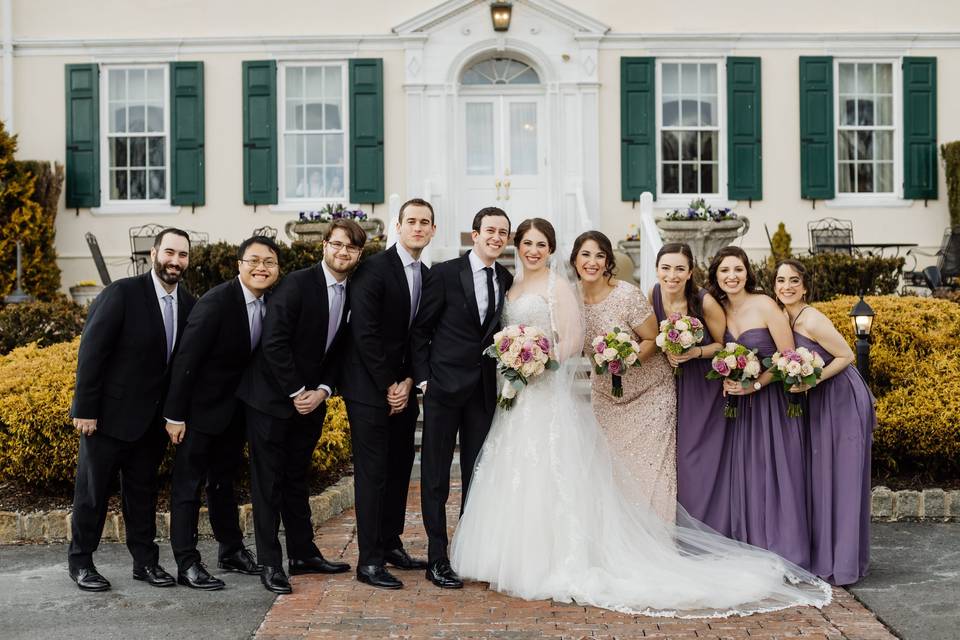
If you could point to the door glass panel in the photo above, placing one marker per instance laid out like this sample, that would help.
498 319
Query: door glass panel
479 134
523 138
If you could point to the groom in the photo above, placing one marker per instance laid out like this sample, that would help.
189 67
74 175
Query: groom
459 313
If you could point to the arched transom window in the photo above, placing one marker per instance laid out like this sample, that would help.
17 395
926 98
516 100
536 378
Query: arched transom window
500 71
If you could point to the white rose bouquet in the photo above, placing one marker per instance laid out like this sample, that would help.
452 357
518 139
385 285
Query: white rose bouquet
794 367
735 362
679 334
522 352
614 352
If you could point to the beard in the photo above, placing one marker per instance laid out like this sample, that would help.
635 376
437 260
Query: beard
166 276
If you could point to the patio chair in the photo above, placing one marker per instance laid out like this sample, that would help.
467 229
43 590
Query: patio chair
946 273
141 241
98 258
830 235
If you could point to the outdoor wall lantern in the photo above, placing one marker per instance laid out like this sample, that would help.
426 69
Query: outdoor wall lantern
862 317
500 13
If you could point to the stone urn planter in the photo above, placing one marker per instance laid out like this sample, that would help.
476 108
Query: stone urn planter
633 248
84 293
313 231
705 237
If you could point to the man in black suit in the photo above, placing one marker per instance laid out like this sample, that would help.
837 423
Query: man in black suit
123 370
285 388
377 385
459 313
206 420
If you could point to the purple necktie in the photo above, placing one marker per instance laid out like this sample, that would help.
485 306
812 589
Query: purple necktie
256 323
168 323
335 308
415 291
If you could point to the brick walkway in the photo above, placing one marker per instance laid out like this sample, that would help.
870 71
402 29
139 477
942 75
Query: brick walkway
341 607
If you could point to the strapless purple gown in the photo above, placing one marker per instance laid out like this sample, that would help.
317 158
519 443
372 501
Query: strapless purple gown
703 443
841 418
768 497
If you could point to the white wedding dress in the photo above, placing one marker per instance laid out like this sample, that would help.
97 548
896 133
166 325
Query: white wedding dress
549 515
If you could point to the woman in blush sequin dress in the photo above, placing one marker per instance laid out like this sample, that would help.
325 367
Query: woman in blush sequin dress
840 418
768 495
703 447
641 425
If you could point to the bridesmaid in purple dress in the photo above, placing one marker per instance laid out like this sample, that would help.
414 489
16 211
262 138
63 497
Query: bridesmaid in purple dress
703 455
768 497
841 419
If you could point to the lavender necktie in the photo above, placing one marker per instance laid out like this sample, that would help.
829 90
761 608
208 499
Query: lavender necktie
415 291
256 323
168 323
335 308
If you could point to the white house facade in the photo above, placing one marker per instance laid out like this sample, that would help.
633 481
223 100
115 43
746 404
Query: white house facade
225 116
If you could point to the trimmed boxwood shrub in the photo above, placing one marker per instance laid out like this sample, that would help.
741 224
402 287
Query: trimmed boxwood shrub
45 323
840 274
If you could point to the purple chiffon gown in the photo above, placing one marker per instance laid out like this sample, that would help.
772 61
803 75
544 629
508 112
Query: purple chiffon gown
841 420
768 495
703 443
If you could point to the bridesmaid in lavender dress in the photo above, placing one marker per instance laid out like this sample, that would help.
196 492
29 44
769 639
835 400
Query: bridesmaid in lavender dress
841 420
641 425
768 497
703 452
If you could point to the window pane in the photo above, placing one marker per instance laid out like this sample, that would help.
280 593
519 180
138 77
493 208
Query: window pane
708 111
293 150
314 119
848 110
865 112
708 79
523 138
137 84
296 184
864 78
689 84
118 185
688 145
884 177
137 115
847 84
314 187
117 80
155 84
500 69
314 149
884 145
138 152
334 149
671 181
314 82
479 130
846 149
669 148
689 115
671 78
158 185
708 178
155 117
156 149
671 112
708 146
528 76
333 115
688 178
864 145
332 83
138 185
294 81
884 112
294 115
864 177
118 152
118 119
334 187
884 78
847 174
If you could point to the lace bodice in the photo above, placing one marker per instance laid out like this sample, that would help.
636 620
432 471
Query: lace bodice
531 309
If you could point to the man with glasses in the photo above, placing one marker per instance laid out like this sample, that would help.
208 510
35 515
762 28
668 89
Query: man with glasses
285 388
206 421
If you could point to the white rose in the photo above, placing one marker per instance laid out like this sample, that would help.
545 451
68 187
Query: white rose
817 361
508 391
731 361
623 337
597 340
513 331
598 358
610 354
752 370
664 324
731 346
793 368
682 325
806 369
660 340
630 359
686 339
537 370
782 362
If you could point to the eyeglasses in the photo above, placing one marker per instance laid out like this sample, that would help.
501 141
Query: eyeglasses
338 246
269 263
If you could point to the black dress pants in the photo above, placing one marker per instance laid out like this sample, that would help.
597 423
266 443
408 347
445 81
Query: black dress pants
101 459
383 453
441 423
214 461
281 453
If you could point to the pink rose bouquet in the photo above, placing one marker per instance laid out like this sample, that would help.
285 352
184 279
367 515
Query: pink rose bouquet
679 334
614 352
735 362
522 352
797 366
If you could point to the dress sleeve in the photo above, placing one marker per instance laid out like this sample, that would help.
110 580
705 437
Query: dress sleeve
636 307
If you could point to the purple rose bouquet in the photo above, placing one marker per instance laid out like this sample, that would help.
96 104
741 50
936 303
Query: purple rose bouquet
614 352
522 352
735 362
679 334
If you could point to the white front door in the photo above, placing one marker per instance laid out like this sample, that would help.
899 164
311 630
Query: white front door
502 156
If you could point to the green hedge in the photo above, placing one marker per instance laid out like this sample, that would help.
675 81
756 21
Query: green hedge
839 274
46 323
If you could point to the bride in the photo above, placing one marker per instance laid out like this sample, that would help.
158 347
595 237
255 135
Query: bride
548 514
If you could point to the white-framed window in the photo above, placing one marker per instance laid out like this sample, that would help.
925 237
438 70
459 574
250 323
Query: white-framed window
690 118
135 145
313 132
867 113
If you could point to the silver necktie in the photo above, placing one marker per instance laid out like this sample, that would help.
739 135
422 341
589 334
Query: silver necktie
256 323
415 291
335 308
168 323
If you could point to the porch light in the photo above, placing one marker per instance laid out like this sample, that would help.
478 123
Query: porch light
862 317
500 13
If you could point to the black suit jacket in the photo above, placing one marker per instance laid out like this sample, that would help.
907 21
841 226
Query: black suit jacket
448 336
292 353
211 358
378 344
122 372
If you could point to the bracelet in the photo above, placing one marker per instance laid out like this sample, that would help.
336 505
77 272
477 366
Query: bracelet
701 353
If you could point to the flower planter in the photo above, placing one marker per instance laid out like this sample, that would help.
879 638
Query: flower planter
705 237
314 231
85 294
633 249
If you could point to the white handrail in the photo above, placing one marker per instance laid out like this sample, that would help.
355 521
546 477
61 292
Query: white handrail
650 243
583 218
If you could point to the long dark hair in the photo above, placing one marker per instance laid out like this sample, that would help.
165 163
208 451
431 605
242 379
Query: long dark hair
603 242
713 287
690 291
801 270
541 225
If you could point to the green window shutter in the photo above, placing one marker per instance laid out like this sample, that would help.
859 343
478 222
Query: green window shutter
186 133
83 135
366 130
638 128
816 128
920 128
260 132
744 153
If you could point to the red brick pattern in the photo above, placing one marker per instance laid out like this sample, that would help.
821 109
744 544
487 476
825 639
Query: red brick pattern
340 607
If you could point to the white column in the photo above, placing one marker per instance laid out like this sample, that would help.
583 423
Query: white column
7 18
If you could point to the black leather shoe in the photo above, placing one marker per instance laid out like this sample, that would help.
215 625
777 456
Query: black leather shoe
196 577
275 580
89 579
442 574
155 576
376 576
316 564
240 562
400 559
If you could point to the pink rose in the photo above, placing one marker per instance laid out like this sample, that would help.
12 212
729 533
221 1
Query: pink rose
615 367
695 323
601 347
721 367
741 362
673 335
544 344
674 316
794 356
504 345
526 355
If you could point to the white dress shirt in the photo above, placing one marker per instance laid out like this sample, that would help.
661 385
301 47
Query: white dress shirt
249 297
161 292
408 266
480 284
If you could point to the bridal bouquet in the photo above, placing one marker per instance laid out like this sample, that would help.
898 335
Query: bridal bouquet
522 352
679 334
798 366
734 362
614 353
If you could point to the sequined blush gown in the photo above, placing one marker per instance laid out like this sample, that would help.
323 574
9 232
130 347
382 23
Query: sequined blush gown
547 516
641 426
